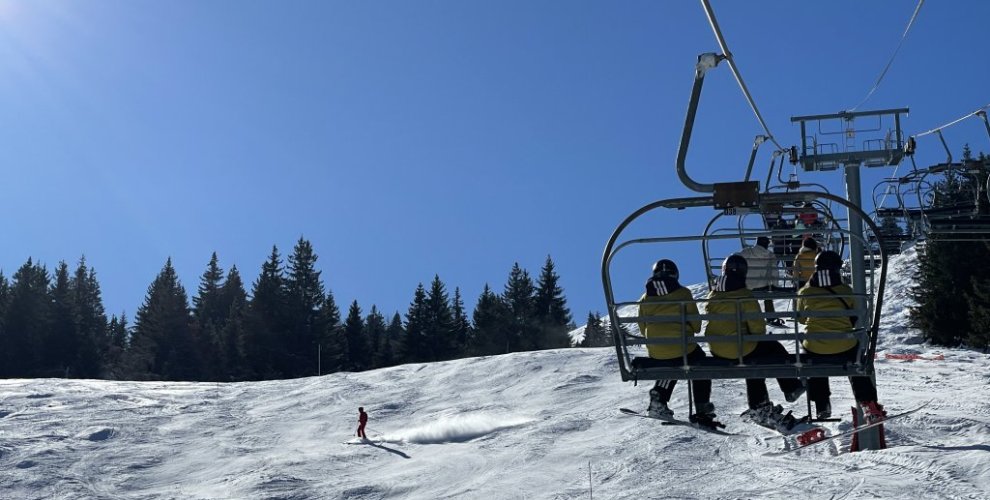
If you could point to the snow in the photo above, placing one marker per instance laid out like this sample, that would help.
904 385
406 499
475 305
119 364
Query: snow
538 425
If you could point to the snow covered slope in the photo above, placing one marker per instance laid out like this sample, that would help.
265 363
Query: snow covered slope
527 425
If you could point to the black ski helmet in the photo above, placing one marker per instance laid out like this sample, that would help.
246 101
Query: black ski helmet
665 268
828 261
735 265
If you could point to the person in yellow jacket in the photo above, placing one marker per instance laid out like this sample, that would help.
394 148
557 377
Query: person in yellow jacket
666 297
826 292
804 263
730 296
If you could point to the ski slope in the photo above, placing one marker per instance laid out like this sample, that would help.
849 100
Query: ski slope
540 425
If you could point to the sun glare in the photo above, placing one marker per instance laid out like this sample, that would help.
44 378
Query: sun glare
9 9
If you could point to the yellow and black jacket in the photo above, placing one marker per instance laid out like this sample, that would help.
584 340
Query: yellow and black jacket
668 304
816 298
748 304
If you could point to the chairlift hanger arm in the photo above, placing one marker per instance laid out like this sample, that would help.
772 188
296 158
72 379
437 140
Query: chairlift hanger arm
760 139
946 146
705 62
983 114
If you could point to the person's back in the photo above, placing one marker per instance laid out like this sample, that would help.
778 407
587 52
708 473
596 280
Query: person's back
804 263
729 297
819 297
728 302
667 304
762 266
825 292
666 298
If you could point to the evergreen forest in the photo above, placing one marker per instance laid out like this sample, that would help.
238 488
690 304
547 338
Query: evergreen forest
287 324
284 324
952 289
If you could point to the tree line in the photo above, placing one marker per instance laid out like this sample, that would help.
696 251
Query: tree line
952 288
289 325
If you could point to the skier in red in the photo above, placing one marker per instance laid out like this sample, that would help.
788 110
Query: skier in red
362 421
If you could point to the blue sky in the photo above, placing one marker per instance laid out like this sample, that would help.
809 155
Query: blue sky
407 139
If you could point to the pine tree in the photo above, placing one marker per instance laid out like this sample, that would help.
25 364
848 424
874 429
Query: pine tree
305 295
5 347
595 333
210 318
414 345
333 344
27 320
375 329
552 314
92 328
358 356
233 348
438 330
207 302
979 313
59 345
162 346
461 325
394 334
522 330
488 335
113 359
265 322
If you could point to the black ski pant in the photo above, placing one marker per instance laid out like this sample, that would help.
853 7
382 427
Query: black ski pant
756 388
818 388
767 303
700 389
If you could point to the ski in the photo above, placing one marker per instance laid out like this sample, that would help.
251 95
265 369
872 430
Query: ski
847 432
674 421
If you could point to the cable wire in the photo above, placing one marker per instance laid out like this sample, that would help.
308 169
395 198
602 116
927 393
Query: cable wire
883 73
953 122
735 70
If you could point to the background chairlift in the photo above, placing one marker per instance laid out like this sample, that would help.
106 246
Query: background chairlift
960 207
960 210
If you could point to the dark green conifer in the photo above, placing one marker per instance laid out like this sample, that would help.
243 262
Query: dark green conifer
439 328
489 333
59 347
552 315
305 295
92 328
375 329
394 334
358 356
27 320
162 345
333 350
265 323
461 325
522 328
414 345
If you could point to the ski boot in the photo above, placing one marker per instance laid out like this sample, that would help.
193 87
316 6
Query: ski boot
658 409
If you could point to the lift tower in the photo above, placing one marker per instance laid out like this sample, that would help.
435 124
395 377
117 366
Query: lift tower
832 141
